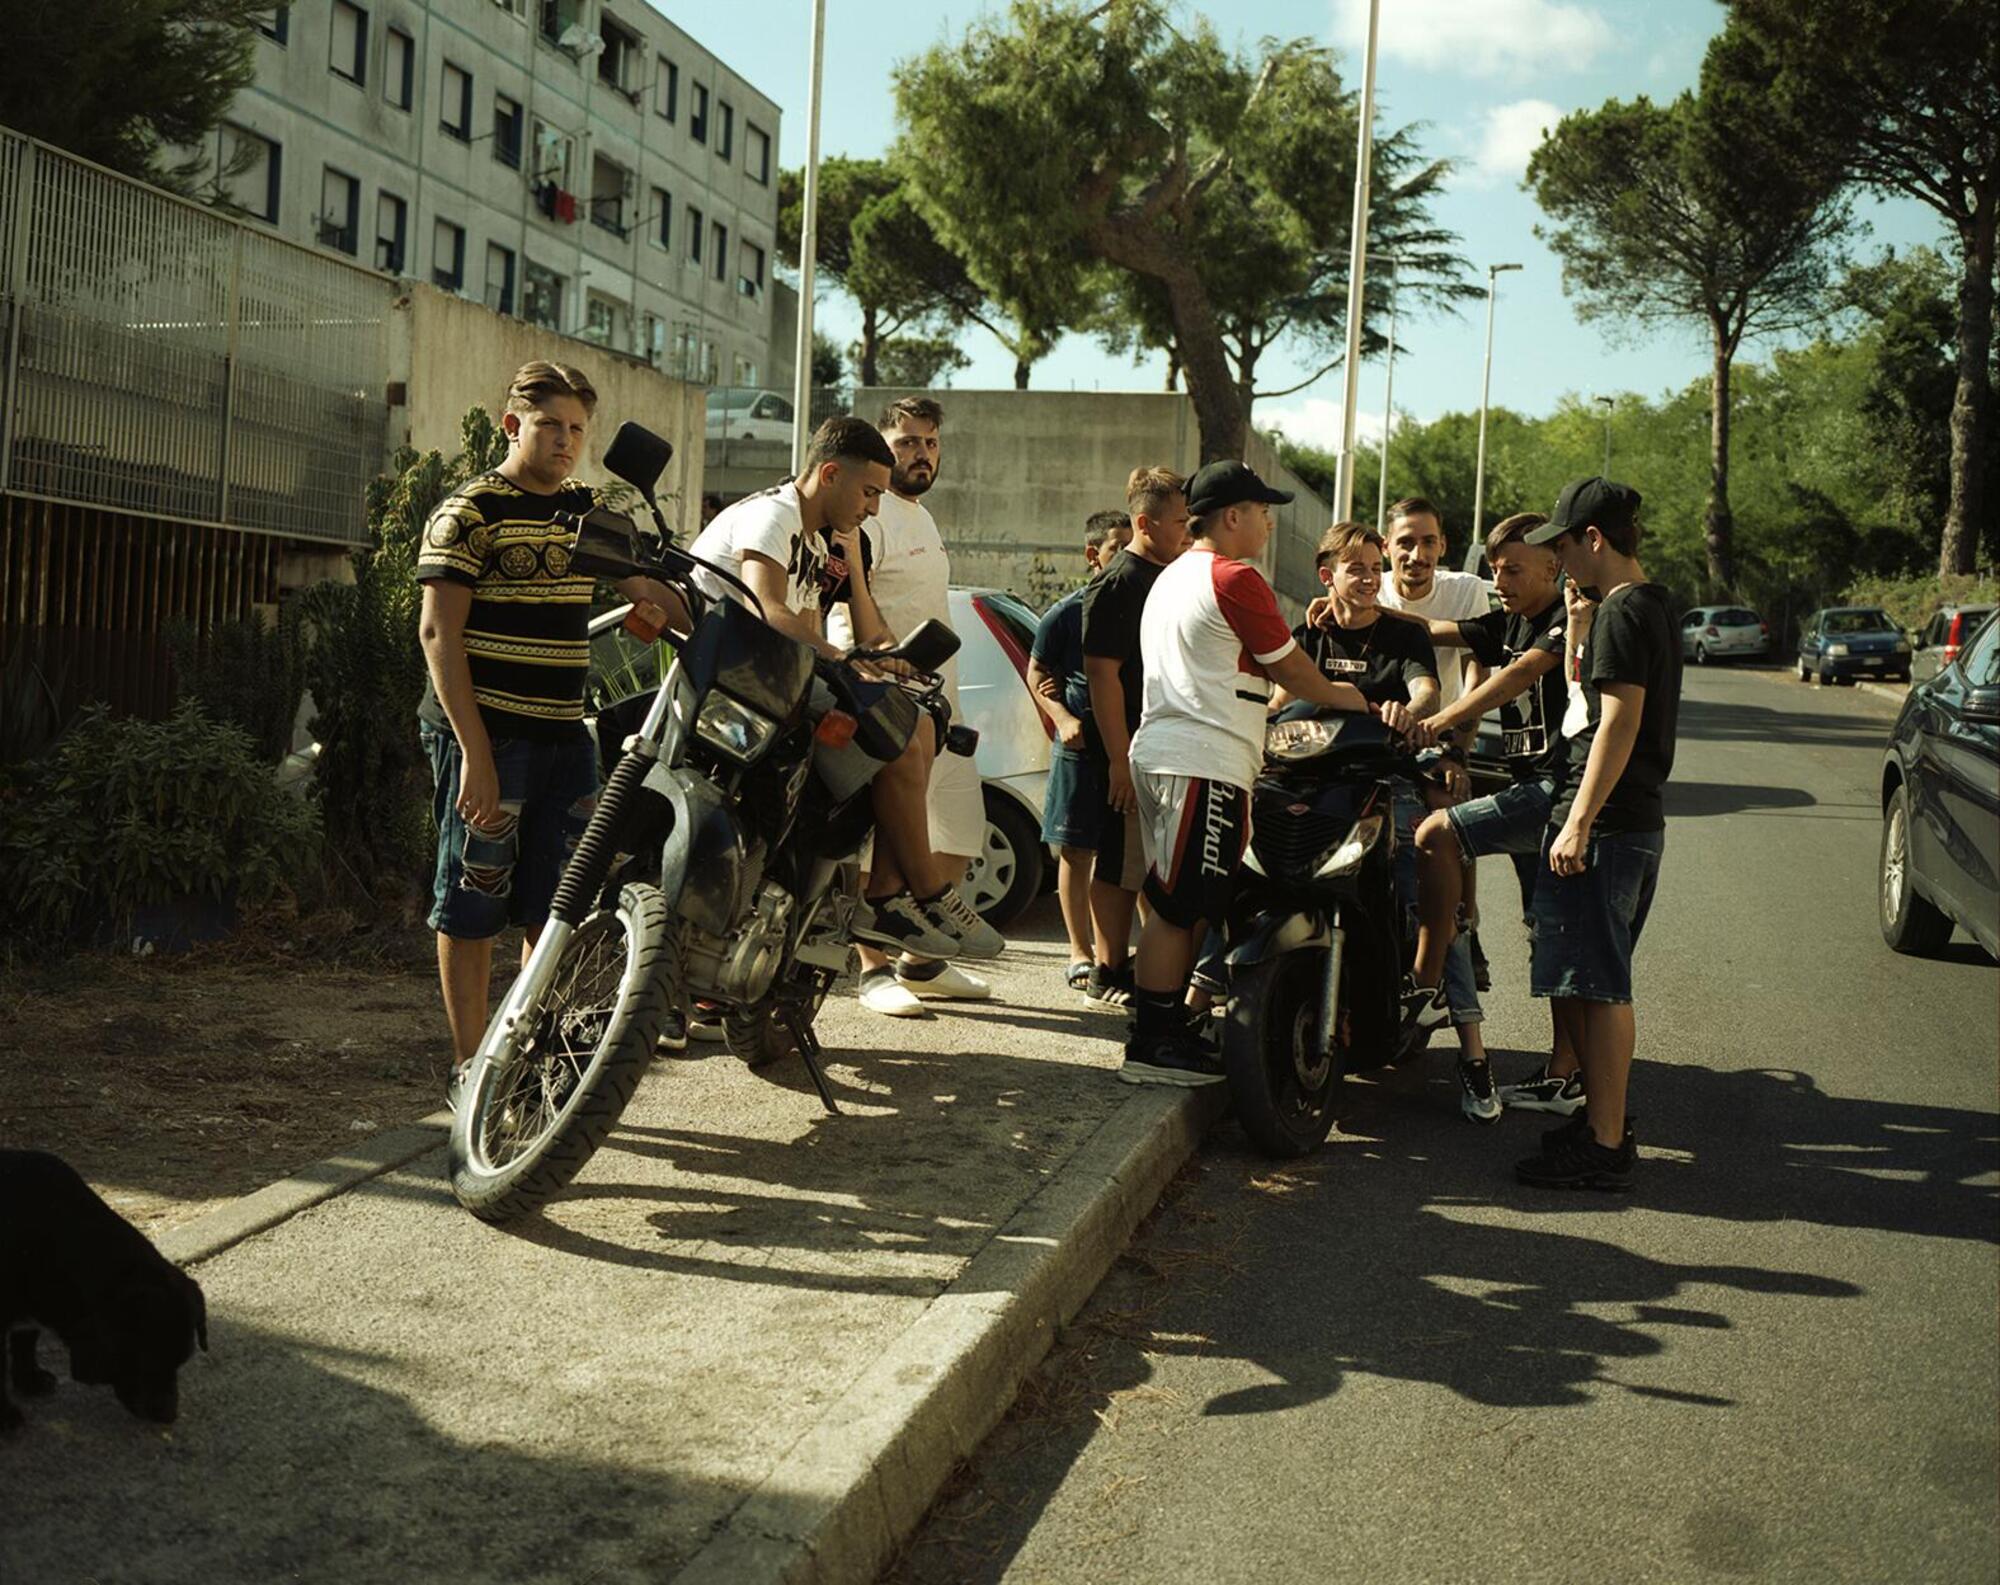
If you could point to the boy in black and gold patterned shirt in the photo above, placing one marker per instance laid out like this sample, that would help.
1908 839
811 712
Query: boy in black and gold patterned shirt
505 636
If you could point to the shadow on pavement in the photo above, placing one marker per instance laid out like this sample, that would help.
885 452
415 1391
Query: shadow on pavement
1723 721
1697 798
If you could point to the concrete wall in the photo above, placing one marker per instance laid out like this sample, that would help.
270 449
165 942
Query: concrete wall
459 355
1021 470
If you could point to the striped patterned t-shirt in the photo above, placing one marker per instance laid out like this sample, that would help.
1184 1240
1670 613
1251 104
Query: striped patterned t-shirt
526 638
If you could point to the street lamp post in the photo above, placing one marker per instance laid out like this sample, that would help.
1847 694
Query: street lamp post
1607 403
802 375
1493 271
1388 401
1357 271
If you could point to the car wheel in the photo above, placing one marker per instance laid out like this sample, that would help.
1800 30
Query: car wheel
1909 923
1006 876
1805 675
1701 654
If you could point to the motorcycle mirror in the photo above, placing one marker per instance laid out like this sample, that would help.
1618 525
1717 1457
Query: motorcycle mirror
638 456
929 646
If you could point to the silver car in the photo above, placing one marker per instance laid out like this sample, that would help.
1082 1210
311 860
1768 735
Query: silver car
996 631
1724 632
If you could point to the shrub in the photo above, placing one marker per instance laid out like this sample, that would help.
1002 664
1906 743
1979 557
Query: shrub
247 673
1911 600
123 813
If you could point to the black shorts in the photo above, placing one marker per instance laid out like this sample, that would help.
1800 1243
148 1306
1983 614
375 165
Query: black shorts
1196 833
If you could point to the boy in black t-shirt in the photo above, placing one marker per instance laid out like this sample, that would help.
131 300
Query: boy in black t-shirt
1607 827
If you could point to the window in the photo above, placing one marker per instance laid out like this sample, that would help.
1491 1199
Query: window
617 61
392 220
542 297
347 56
698 115
552 152
499 278
694 233
448 255
770 406
1980 663
610 186
725 131
507 131
558 17
719 251
339 218
399 64
652 338
455 103
667 89
276 24
751 282
757 153
607 322
663 217
246 172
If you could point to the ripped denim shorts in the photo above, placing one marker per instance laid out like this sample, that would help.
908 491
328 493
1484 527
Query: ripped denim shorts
490 878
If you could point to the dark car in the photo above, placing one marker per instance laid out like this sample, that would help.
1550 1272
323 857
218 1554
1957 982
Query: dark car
1941 806
1938 641
1852 641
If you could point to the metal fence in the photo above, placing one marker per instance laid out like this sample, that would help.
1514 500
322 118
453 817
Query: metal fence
161 359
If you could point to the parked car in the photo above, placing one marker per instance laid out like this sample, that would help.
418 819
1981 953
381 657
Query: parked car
997 630
1852 641
1723 632
741 412
1936 644
1941 805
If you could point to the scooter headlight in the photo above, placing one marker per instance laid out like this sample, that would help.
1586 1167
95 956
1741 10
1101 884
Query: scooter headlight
732 728
1293 740
1346 858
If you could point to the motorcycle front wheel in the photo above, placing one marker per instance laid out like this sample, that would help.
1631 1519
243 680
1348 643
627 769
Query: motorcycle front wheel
1281 1085
528 1121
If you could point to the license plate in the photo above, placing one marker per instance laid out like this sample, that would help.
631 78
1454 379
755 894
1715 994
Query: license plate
1872 660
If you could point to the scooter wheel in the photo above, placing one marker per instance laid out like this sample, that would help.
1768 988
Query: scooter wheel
1281 1085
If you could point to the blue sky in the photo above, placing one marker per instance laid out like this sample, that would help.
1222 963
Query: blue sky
1484 75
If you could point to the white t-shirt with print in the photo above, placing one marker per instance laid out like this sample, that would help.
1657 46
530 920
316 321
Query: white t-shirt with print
771 524
1454 597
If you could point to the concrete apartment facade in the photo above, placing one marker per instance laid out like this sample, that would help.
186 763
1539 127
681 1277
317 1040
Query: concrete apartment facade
582 165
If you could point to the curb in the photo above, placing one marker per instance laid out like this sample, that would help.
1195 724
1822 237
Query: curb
856 1484
265 1208
1875 690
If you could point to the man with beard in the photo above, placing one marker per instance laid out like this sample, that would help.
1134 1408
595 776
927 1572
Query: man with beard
908 572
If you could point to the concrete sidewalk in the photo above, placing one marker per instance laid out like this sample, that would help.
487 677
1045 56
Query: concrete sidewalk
749 1343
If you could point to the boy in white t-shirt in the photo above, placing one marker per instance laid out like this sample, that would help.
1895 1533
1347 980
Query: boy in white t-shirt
1214 642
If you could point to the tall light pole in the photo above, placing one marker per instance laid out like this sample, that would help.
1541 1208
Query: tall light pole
1388 400
802 375
1493 272
1357 274
1607 403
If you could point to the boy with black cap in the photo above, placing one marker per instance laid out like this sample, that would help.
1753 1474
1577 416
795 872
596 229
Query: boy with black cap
1607 827
1214 642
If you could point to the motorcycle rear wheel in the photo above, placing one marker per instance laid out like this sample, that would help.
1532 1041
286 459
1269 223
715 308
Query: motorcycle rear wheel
525 1126
1282 1090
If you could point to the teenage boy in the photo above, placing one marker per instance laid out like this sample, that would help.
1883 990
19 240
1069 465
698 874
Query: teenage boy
503 627
908 575
779 542
1073 807
1607 827
1215 645
1524 644
1156 500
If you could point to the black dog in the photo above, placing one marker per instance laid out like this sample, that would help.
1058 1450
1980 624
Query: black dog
129 1316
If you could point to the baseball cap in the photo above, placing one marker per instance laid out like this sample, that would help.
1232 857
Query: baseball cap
1587 503
1220 484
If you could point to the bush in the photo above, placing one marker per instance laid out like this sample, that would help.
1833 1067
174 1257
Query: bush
1910 601
124 813
246 673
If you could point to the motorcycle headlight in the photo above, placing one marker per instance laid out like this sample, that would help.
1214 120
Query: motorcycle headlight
1297 739
732 728
1346 858
1836 649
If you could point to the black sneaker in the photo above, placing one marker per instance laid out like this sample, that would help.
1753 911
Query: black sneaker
1476 1099
1111 987
1424 1007
1578 1127
1482 971
1579 1162
899 923
1542 1091
1170 1059
673 1034
454 1081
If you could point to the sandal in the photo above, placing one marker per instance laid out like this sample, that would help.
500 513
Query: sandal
1077 976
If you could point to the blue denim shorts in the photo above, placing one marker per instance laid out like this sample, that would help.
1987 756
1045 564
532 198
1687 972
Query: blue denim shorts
1461 986
1512 820
489 879
1073 807
1587 925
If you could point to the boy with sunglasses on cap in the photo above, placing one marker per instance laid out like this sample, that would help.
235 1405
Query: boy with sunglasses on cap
1214 643
1607 826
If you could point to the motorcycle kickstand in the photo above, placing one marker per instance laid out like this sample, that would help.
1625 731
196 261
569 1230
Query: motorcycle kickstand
808 1043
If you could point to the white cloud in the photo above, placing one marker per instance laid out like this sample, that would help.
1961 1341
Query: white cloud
1315 421
1478 38
1508 134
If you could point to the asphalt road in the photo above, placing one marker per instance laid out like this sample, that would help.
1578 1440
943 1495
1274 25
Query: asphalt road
1779 1359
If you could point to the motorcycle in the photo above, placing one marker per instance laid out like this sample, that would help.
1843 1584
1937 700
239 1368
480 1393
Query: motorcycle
1318 941
720 862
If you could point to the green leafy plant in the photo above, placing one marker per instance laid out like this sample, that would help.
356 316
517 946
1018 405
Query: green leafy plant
1910 601
124 813
36 702
245 672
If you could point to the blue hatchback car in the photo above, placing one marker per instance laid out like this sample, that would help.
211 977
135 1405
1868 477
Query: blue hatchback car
1852 641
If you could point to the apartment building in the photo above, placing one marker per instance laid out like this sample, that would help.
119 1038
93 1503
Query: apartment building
583 165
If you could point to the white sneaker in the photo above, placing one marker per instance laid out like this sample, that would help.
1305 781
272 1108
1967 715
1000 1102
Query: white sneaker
951 913
882 992
949 984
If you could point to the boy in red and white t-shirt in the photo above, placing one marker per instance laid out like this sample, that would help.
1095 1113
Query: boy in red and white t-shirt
1213 642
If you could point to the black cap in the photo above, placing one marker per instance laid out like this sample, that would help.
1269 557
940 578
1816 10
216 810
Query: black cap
1221 484
1587 503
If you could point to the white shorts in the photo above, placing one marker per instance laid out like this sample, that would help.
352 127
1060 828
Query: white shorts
957 805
